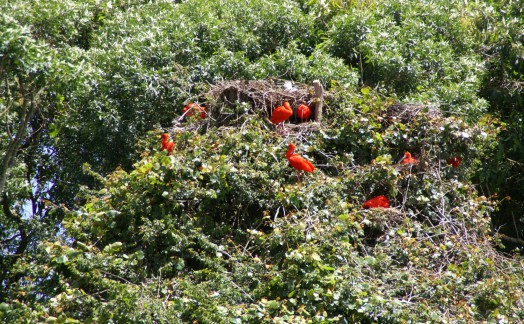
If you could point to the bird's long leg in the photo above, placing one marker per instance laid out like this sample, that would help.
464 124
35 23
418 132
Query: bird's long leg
284 132
280 128
298 175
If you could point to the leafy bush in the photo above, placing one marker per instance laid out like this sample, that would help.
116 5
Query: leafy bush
276 249
415 50
500 40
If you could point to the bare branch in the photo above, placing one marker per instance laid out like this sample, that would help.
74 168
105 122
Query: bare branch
319 100
510 239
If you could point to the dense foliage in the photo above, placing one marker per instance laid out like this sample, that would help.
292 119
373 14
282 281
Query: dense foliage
99 225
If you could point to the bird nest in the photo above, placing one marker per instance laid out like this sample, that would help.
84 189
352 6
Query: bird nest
259 96
407 113
230 103
383 219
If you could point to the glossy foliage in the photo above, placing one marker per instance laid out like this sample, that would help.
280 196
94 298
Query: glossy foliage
99 224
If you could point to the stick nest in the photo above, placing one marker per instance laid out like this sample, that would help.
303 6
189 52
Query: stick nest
409 112
230 102
262 95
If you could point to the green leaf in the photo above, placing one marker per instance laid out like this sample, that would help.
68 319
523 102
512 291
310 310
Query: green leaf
4 307
53 130
62 259
316 257
72 253
139 255
113 248
365 90
369 260
179 264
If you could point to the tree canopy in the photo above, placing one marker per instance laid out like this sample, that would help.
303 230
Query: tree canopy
99 224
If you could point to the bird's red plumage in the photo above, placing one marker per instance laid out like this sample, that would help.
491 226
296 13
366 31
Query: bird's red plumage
167 145
378 201
193 107
298 162
303 112
455 161
408 159
281 113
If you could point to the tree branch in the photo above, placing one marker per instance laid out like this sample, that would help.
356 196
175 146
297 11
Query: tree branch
24 239
10 239
29 109
510 239
319 100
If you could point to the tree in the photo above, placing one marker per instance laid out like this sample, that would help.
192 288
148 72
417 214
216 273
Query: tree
24 70
97 224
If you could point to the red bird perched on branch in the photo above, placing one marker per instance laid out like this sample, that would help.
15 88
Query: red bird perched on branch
455 161
192 108
378 201
298 162
303 112
167 145
408 159
281 113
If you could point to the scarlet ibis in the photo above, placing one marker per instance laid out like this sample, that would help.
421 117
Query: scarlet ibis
298 162
281 113
303 112
408 159
192 107
378 201
455 161
167 145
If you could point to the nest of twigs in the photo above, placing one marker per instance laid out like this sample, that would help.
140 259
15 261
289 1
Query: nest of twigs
382 219
228 104
261 95
406 113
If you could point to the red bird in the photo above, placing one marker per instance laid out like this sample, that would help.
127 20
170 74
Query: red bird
378 201
303 112
167 145
298 162
192 107
408 159
281 113
455 161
